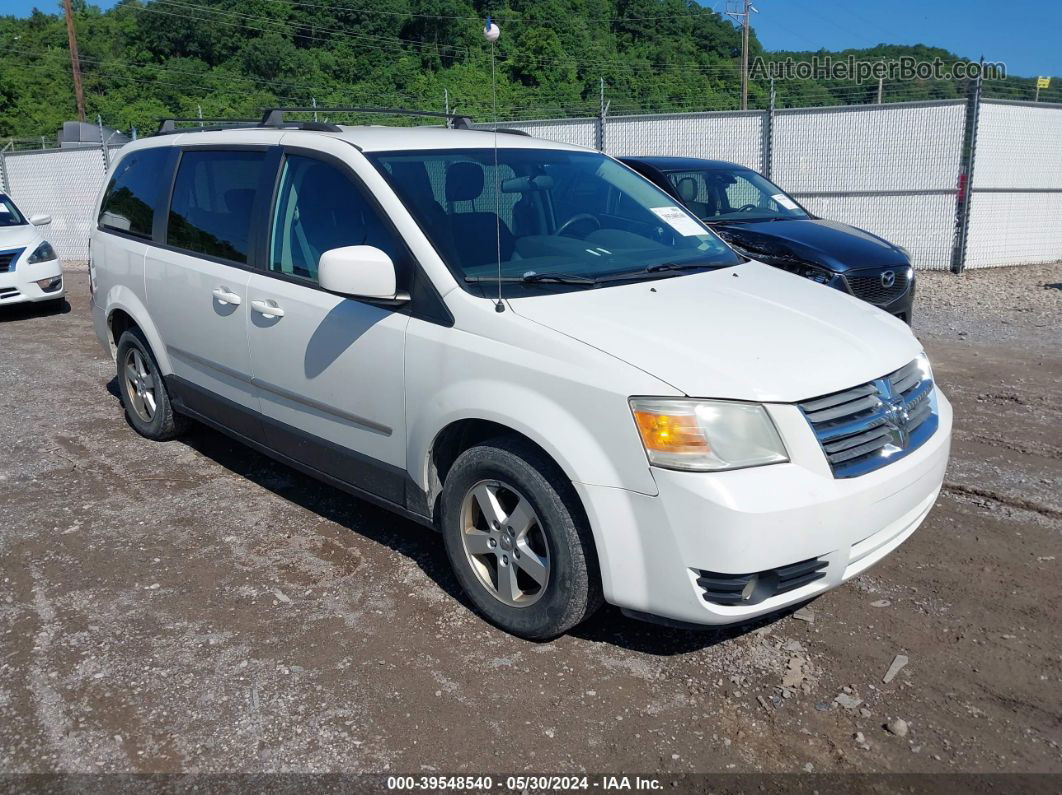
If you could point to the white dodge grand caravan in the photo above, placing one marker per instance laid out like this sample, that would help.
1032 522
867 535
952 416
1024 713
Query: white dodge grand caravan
528 346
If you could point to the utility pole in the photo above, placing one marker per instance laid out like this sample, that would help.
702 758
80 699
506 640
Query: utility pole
880 85
743 15
75 62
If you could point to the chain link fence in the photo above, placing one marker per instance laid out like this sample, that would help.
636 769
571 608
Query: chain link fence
898 170
62 183
737 136
1016 186
891 169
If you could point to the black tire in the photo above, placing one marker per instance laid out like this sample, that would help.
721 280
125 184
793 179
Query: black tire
163 424
573 590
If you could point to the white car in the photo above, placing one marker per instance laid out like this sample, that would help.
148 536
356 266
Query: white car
528 346
29 267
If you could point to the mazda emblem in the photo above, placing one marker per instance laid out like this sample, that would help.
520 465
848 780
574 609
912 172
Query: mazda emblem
888 279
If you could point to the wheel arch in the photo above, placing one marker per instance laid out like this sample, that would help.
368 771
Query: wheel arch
126 310
463 434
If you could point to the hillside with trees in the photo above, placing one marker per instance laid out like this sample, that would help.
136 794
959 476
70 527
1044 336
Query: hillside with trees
144 60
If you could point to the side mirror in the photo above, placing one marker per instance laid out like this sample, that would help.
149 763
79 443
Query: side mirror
41 220
360 272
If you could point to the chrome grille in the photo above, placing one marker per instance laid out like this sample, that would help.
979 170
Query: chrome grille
871 425
874 287
9 258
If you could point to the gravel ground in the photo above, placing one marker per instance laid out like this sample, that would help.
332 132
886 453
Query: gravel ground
194 607
992 304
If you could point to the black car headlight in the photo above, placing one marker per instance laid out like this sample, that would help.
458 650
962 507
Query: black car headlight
813 272
43 253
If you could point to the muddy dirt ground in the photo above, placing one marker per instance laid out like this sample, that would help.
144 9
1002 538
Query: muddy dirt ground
192 606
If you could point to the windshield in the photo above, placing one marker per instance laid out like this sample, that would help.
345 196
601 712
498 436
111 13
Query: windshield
735 195
9 214
547 213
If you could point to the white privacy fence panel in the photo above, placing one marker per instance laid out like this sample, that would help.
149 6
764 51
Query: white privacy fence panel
1016 195
62 183
890 169
924 224
736 136
898 147
579 132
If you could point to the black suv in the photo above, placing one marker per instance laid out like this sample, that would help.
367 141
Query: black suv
762 221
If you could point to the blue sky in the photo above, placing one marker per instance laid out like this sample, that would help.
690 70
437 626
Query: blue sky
1021 33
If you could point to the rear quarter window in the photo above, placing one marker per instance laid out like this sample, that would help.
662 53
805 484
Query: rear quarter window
135 191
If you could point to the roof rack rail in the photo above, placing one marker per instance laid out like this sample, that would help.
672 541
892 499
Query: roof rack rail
274 117
511 131
169 125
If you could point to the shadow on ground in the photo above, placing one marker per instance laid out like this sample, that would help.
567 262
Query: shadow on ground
425 548
26 311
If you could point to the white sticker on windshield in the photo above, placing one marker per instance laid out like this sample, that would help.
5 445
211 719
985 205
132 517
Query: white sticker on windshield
679 221
785 201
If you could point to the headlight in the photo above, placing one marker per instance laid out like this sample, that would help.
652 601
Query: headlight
820 275
924 367
706 435
43 253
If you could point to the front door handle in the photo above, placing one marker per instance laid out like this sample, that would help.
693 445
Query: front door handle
267 308
226 296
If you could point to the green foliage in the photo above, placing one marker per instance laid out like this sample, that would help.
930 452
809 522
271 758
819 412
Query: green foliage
143 60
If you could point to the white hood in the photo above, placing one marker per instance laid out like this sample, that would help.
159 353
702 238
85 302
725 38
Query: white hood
25 235
750 332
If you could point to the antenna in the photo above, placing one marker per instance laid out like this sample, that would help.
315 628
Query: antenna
491 32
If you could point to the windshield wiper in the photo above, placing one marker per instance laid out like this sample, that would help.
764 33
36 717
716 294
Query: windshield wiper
534 278
663 269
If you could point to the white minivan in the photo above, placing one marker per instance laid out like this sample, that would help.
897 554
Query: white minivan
527 346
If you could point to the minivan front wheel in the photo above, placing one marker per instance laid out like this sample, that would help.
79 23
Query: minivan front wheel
147 403
516 540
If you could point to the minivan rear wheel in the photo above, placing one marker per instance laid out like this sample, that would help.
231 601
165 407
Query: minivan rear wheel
144 396
517 541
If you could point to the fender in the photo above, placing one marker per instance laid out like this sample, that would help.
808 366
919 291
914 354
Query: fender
582 454
120 297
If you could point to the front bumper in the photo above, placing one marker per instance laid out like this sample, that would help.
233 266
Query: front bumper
20 285
653 549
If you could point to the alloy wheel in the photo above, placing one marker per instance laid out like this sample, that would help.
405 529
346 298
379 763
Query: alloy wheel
505 543
140 384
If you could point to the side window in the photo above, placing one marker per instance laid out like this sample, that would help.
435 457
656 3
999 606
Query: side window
319 208
743 193
213 197
133 194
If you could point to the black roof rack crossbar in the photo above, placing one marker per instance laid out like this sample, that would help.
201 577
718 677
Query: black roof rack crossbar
169 125
274 117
